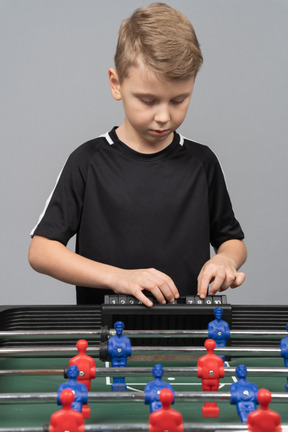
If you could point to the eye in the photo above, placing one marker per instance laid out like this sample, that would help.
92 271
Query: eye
148 101
177 101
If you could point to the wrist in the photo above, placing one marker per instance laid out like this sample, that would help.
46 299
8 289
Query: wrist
223 258
233 252
111 277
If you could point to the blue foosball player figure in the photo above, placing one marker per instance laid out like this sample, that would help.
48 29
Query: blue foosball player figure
153 388
119 348
219 330
243 394
284 352
80 391
166 418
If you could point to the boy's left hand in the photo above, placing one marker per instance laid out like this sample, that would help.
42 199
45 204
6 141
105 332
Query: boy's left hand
221 271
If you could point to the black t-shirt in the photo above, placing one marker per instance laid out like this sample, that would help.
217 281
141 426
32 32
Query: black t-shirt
134 210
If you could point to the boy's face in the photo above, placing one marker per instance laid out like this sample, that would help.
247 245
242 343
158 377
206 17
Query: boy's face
154 107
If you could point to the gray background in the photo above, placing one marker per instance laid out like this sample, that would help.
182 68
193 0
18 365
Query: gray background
54 95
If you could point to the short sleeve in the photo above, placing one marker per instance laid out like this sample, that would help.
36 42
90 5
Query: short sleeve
61 216
223 223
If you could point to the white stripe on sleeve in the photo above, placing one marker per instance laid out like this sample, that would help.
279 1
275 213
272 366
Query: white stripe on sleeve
46 205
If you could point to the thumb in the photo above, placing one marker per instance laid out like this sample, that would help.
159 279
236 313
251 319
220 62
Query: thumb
239 279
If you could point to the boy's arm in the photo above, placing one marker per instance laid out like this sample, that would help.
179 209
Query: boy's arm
54 259
222 268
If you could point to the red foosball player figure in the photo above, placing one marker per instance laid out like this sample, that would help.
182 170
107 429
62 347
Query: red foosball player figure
67 419
166 419
85 363
210 370
264 419
86 366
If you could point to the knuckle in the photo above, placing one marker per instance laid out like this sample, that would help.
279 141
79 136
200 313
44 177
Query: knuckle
161 283
135 290
170 297
231 279
206 275
167 278
153 285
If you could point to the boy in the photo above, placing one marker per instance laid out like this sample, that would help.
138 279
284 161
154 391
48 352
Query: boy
144 202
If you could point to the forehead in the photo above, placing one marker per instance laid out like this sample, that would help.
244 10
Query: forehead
141 79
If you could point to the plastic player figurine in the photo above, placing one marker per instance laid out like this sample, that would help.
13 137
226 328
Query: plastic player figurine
152 389
86 366
80 391
166 418
219 330
264 419
284 352
243 394
210 370
85 363
119 348
67 419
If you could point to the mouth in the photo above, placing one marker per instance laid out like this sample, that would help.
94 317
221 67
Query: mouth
160 133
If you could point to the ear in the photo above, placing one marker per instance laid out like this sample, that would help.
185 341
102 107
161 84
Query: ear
114 84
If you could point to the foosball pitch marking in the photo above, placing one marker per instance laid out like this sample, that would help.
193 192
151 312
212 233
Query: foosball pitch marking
195 384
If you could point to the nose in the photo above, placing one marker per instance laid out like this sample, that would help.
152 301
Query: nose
162 114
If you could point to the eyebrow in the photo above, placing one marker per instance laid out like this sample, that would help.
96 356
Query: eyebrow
144 95
150 95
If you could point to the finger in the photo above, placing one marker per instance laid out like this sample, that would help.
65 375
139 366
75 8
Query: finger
148 284
145 300
229 281
157 293
158 288
240 278
166 285
219 283
163 292
167 281
204 281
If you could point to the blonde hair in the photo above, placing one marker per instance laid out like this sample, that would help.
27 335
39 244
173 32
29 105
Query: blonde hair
163 39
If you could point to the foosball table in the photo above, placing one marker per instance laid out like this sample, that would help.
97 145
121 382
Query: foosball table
38 342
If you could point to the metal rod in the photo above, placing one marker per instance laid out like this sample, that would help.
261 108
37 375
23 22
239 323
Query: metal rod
131 371
96 334
51 397
237 334
31 372
23 429
52 351
189 427
48 334
139 427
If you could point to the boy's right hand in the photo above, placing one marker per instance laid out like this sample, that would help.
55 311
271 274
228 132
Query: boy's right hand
54 259
134 282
